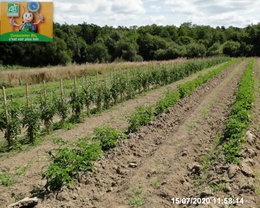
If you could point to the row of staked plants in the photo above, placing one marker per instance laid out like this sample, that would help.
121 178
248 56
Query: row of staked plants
91 97
69 160
239 118
144 114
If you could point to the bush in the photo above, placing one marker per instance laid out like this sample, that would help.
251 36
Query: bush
170 99
68 161
142 116
108 137
11 126
31 121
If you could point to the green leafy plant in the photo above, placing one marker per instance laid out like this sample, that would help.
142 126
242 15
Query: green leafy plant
170 99
10 124
47 112
238 121
108 137
142 116
6 179
31 121
77 104
62 108
70 160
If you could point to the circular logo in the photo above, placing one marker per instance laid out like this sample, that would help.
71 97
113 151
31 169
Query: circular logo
33 6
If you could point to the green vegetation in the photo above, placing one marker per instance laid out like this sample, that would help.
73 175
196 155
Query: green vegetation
72 158
170 99
79 156
239 118
31 121
136 200
144 114
93 97
188 87
6 179
10 124
108 137
69 161
91 43
141 117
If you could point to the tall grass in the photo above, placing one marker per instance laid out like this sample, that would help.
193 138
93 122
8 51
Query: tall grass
16 77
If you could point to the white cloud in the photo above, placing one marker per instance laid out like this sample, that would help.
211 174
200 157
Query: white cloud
217 12
142 12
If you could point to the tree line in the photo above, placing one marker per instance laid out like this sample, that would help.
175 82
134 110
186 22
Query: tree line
91 43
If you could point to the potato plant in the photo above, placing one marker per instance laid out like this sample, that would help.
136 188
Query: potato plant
68 161
239 119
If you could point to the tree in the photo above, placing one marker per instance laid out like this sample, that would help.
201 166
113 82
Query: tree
231 48
195 50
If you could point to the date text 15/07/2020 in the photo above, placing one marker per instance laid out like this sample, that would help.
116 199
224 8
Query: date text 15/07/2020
211 200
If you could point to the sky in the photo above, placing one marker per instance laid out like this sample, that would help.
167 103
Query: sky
238 13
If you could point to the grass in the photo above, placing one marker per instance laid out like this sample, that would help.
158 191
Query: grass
193 125
156 182
22 169
204 112
55 73
6 179
136 200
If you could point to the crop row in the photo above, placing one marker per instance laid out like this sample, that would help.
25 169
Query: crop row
239 118
16 93
69 160
92 97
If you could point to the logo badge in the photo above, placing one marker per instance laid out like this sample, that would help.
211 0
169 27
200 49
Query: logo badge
13 10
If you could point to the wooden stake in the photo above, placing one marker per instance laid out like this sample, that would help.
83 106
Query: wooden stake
75 83
61 90
5 103
27 96
105 79
44 90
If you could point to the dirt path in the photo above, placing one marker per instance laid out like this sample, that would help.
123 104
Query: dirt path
151 167
32 161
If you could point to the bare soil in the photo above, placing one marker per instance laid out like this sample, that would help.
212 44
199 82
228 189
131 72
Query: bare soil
27 166
153 165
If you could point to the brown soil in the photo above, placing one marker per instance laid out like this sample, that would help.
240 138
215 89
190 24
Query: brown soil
152 166
238 181
32 161
256 131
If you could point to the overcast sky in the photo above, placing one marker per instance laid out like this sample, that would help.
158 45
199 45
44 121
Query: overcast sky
237 13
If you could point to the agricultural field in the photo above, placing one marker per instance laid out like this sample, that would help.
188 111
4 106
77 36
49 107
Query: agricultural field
151 135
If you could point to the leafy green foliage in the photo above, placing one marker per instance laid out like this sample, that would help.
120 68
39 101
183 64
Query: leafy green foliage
47 112
70 160
10 125
31 121
77 104
96 97
170 99
108 137
6 179
188 87
142 116
62 108
239 118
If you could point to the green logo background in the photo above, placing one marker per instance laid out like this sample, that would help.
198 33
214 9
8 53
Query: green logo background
13 10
